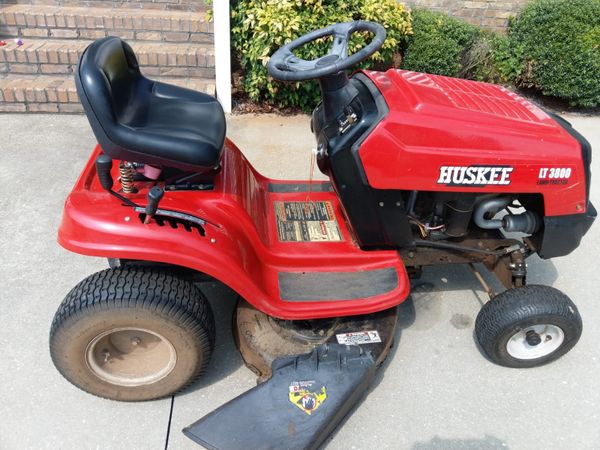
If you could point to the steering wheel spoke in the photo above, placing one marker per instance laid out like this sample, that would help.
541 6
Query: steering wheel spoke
298 63
291 63
340 45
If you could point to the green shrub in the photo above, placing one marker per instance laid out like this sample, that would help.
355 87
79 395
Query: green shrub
493 59
438 43
560 45
259 27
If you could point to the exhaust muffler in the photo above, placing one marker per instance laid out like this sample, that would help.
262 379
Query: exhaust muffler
528 222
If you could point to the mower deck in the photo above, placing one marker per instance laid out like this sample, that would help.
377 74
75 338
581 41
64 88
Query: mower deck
262 339
282 245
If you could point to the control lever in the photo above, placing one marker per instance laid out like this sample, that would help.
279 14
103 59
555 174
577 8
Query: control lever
154 196
103 166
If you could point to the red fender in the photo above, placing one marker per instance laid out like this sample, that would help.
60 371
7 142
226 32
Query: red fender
241 247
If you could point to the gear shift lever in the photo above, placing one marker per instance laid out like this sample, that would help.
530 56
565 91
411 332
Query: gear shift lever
154 196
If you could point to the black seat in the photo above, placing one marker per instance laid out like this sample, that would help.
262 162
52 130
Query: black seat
137 119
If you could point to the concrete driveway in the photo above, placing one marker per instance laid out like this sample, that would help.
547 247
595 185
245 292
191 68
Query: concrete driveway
436 392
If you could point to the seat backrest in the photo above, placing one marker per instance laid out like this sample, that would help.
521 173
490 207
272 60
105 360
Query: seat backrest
107 79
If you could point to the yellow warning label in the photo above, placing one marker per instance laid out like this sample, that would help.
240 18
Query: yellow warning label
305 399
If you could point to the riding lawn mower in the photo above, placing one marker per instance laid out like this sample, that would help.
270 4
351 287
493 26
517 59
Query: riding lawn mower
423 170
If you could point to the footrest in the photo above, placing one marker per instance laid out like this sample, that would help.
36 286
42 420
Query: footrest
297 408
334 286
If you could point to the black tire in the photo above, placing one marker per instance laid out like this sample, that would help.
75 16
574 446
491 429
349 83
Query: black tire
515 311
111 309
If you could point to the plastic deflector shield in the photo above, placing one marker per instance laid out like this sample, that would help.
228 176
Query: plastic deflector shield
297 408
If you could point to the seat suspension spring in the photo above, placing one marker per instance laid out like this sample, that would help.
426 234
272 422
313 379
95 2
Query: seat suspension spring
127 172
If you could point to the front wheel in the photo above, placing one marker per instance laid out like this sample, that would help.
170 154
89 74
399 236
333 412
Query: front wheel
132 334
528 326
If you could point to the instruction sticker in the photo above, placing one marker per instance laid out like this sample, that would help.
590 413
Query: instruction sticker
358 338
306 222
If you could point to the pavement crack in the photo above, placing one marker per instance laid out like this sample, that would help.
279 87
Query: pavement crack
169 423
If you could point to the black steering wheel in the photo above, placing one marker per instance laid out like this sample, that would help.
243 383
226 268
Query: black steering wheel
285 66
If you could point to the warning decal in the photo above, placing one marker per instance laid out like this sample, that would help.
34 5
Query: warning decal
358 338
306 222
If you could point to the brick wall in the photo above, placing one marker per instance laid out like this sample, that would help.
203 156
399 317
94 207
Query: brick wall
95 23
36 74
169 5
492 14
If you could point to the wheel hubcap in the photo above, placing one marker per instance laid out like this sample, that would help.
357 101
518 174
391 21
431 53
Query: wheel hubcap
130 356
535 341
533 338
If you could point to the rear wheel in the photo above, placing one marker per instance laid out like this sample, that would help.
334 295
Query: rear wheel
132 334
528 326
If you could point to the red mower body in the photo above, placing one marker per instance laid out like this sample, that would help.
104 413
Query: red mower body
335 252
448 134
423 171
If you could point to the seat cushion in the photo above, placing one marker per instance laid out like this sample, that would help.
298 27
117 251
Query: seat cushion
141 120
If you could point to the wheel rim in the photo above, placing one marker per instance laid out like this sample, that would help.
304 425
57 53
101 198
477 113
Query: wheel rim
535 341
130 356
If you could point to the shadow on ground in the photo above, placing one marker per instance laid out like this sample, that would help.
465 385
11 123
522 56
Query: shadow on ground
226 357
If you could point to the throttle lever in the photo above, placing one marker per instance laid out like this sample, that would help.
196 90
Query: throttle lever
154 196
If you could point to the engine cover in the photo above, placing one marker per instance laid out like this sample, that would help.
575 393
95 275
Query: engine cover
447 134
